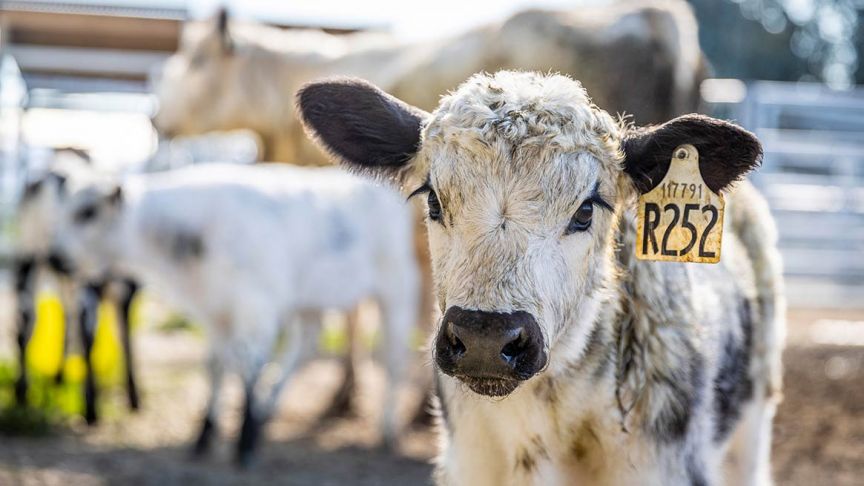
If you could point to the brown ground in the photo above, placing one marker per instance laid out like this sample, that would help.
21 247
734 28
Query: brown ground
819 434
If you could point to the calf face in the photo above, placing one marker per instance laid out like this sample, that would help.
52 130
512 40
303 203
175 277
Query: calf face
524 178
197 87
88 225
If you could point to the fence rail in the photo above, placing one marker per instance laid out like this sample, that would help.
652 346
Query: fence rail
813 177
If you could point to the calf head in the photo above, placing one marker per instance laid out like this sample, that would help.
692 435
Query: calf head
205 85
525 180
88 228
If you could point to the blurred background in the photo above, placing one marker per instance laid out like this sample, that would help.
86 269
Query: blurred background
79 77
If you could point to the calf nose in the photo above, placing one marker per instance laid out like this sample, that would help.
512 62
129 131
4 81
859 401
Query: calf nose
481 344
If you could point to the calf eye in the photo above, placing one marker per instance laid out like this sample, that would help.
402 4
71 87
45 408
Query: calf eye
581 221
434 206
86 214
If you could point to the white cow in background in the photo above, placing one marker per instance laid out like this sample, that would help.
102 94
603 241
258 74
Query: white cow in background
248 250
234 75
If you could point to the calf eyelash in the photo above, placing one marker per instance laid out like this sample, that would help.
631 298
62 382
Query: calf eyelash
420 190
597 199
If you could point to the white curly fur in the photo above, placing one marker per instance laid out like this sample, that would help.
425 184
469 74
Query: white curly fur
636 349
249 252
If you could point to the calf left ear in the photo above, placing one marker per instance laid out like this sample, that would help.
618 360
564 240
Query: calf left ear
727 152
361 126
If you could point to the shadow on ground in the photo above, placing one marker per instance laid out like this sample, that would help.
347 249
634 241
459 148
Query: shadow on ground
298 462
819 430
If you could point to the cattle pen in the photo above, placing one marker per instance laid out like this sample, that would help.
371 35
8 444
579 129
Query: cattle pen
80 81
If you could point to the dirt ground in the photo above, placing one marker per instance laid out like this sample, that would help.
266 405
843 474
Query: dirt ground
819 432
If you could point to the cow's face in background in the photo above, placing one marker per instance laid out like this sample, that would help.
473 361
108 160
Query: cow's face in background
41 206
89 227
524 179
200 88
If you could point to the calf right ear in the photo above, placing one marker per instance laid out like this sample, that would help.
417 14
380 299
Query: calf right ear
360 125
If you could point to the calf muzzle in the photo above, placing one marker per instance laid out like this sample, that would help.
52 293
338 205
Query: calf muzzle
491 352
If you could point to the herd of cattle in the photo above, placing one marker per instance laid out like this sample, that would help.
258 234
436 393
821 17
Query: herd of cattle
560 358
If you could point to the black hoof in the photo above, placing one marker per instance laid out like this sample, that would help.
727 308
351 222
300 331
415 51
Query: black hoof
245 460
134 403
205 438
21 393
248 439
388 445
91 418
90 413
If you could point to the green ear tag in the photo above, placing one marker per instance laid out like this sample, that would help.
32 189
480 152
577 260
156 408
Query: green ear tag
681 219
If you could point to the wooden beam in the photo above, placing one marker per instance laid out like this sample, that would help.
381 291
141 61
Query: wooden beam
88 30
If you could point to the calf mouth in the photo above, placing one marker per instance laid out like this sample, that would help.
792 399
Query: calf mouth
490 386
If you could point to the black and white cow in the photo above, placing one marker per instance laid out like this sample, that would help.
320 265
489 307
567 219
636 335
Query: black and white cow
253 254
563 359
35 263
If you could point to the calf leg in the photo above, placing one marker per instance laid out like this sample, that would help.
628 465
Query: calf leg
343 401
131 288
299 347
87 321
257 327
398 318
216 373
252 422
24 276
70 293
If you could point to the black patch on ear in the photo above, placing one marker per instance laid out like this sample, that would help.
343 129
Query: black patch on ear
360 125
727 152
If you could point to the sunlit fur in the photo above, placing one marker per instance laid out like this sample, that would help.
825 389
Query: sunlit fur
246 250
245 78
635 348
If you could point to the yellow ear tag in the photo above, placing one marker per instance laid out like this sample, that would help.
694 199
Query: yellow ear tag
680 220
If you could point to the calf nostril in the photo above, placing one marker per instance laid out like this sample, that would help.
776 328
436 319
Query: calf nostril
457 348
515 348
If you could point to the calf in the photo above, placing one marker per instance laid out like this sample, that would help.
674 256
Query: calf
226 75
35 262
562 358
247 251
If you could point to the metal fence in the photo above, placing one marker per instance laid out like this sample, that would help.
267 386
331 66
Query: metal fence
813 177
